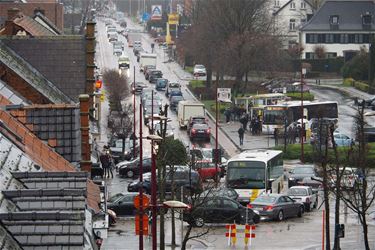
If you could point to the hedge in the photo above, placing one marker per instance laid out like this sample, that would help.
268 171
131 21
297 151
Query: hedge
297 96
319 65
350 82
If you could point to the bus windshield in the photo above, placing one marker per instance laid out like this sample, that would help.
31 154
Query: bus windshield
246 174
274 117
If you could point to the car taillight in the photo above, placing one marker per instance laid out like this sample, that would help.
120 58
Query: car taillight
208 131
193 130
268 208
249 206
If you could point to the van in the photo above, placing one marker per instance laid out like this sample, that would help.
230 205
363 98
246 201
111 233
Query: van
123 62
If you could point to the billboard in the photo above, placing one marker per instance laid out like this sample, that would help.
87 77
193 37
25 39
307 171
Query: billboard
156 13
224 95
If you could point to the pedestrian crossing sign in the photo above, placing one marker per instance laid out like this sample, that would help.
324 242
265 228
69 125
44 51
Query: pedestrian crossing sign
156 13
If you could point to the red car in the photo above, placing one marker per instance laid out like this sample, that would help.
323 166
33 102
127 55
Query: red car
207 170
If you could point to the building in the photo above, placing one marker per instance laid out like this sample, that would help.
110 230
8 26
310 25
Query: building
288 16
339 28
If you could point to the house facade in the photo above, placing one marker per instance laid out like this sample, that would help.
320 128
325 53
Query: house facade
288 16
339 28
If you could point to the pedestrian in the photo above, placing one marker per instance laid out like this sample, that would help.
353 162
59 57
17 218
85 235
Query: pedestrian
241 132
227 115
106 161
276 136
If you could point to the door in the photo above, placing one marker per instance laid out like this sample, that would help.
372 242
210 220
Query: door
229 211
212 211
293 206
125 206
285 206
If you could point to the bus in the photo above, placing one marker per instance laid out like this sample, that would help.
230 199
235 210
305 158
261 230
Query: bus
254 172
282 115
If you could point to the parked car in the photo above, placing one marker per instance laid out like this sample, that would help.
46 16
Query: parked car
199 70
174 100
277 206
299 172
128 154
219 209
305 195
220 192
154 75
123 204
342 140
161 84
181 179
131 168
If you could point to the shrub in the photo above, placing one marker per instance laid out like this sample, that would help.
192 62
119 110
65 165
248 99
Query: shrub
350 82
197 84
297 96
357 68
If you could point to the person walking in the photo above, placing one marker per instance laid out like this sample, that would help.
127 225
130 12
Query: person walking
106 161
241 132
276 136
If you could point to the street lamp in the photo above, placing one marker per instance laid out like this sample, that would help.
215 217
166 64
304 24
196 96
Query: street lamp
303 72
154 139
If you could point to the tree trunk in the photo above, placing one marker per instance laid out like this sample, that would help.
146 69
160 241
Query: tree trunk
336 245
161 176
173 240
363 213
186 238
209 77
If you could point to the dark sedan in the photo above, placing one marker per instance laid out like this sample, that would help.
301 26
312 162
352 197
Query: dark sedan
219 209
200 131
174 102
220 192
297 174
154 75
277 206
131 168
123 204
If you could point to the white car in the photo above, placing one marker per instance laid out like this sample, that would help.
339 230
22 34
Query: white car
305 195
199 70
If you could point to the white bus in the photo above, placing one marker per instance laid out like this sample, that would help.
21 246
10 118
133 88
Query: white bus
254 172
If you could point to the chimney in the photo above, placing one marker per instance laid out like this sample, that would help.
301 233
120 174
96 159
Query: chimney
39 10
90 65
85 131
12 13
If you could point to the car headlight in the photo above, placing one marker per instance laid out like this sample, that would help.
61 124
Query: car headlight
256 211
291 179
146 116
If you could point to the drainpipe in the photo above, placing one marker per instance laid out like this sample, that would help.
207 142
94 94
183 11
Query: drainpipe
84 104
90 65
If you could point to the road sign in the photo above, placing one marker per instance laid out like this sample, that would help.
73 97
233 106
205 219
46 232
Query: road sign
224 95
173 19
144 225
145 201
145 17
156 13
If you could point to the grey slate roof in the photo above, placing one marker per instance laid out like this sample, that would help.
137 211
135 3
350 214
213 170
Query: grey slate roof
32 76
349 13
61 59
11 95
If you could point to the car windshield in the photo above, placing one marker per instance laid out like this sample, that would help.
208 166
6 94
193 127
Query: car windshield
174 85
198 66
265 199
301 170
207 153
177 98
162 81
148 109
297 191
246 174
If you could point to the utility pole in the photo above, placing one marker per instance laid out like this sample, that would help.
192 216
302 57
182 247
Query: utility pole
302 132
140 180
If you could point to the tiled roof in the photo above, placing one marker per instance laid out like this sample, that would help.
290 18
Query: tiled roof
8 93
349 13
43 20
60 59
32 76
7 240
32 27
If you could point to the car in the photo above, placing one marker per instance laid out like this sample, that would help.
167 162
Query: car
148 67
181 179
174 100
277 206
207 155
221 192
199 70
219 209
148 103
195 120
342 140
138 87
154 75
174 93
123 62
299 172
117 153
316 183
123 204
117 49
172 86
200 131
118 43
131 169
112 37
161 84
169 129
305 195
349 177
150 111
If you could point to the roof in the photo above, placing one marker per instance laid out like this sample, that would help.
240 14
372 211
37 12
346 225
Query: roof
349 13
67 54
11 95
43 20
30 75
31 26
287 3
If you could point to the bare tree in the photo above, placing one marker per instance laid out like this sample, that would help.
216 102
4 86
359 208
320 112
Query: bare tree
117 87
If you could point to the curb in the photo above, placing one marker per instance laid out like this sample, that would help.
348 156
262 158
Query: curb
344 89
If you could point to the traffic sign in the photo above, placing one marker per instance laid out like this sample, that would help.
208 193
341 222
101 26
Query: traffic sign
224 95
156 13
144 225
145 17
145 201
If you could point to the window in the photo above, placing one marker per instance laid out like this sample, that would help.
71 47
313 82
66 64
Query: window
351 38
303 5
292 24
292 6
366 19
334 20
366 38
321 38
277 3
336 38
229 204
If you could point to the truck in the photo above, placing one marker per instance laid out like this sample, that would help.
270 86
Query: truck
147 59
132 37
187 109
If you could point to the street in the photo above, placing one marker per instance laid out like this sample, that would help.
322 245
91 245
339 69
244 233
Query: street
295 233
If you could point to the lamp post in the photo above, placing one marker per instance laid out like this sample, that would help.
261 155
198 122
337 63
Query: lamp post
134 132
153 138
216 135
140 180
303 71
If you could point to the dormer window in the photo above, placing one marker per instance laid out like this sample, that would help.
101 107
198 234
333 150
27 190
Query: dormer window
292 6
334 20
367 19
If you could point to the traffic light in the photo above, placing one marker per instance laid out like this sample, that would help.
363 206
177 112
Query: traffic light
98 84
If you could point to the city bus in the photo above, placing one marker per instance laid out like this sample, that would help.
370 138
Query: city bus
282 115
255 104
254 172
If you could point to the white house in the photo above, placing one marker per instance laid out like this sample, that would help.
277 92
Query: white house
288 17
341 28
